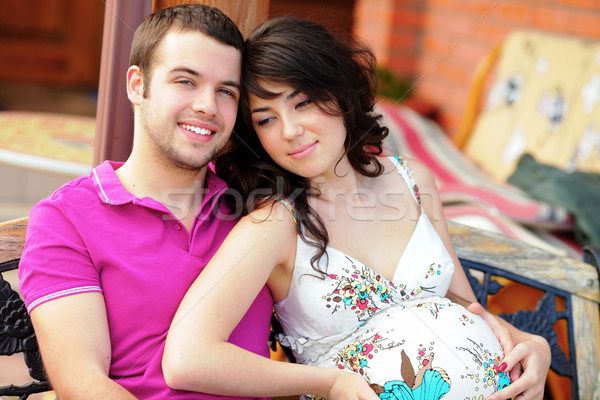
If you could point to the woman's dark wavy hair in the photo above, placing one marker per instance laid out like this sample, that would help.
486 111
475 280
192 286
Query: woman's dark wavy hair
339 77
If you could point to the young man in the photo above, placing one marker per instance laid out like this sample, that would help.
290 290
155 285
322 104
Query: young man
109 256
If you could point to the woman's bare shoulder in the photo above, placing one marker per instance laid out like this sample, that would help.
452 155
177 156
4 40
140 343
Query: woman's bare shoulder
274 214
421 172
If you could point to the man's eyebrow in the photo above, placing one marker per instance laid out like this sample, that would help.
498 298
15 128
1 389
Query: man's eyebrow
192 72
179 70
236 85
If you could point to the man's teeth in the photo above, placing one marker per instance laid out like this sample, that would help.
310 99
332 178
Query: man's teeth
197 130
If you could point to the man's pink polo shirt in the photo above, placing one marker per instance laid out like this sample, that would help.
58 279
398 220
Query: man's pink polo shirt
92 235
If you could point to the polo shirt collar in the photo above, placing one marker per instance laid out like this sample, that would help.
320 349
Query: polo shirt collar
213 183
110 190
107 184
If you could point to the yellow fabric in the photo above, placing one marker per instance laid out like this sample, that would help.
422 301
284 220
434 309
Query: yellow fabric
545 101
56 136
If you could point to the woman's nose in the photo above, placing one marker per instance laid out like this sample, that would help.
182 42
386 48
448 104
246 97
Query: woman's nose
292 128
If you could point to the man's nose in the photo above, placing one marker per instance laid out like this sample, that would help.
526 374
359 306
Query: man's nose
205 101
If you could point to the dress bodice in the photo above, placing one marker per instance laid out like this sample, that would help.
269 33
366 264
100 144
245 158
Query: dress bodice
351 292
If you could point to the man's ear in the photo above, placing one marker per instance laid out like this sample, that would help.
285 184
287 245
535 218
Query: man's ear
135 85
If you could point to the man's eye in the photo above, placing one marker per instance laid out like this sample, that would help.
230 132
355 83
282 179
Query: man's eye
185 82
228 92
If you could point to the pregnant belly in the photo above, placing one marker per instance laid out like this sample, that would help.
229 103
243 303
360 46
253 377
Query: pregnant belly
434 347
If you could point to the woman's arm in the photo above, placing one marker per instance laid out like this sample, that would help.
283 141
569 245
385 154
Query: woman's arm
197 355
522 349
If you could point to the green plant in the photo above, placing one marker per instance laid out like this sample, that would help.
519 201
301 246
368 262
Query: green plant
391 86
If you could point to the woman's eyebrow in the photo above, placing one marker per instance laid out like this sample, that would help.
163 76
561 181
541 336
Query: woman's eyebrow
261 109
292 95
287 98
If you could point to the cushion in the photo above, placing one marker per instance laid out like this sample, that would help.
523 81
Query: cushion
545 101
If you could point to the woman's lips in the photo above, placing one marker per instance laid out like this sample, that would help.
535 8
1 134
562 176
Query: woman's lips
303 151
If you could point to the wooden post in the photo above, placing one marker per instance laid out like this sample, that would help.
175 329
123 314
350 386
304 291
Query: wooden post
247 14
114 115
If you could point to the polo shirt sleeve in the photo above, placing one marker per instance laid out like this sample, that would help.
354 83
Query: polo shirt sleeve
55 262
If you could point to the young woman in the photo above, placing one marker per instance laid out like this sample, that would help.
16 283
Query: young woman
353 247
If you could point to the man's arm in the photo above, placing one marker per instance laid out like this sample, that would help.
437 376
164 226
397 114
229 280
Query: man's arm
74 340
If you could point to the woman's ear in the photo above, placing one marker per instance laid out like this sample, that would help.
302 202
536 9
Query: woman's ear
135 85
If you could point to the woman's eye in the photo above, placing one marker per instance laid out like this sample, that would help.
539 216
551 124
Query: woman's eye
304 103
265 121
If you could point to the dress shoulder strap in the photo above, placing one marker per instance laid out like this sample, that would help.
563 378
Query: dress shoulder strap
407 175
289 205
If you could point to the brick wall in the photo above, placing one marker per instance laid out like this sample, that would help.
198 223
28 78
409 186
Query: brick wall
437 43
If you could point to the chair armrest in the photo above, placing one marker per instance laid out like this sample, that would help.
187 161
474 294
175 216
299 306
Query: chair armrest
16 331
12 241
591 255
560 279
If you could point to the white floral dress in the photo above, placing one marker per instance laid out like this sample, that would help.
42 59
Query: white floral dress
404 336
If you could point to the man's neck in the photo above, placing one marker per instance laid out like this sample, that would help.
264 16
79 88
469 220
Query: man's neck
180 190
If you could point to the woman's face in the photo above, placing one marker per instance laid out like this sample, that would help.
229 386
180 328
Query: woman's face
296 133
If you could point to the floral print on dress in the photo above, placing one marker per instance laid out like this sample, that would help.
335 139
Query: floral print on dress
361 290
434 308
366 292
433 386
432 383
356 355
428 383
488 367
415 188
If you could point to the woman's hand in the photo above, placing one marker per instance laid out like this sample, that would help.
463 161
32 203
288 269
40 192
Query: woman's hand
500 330
533 354
528 361
350 386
